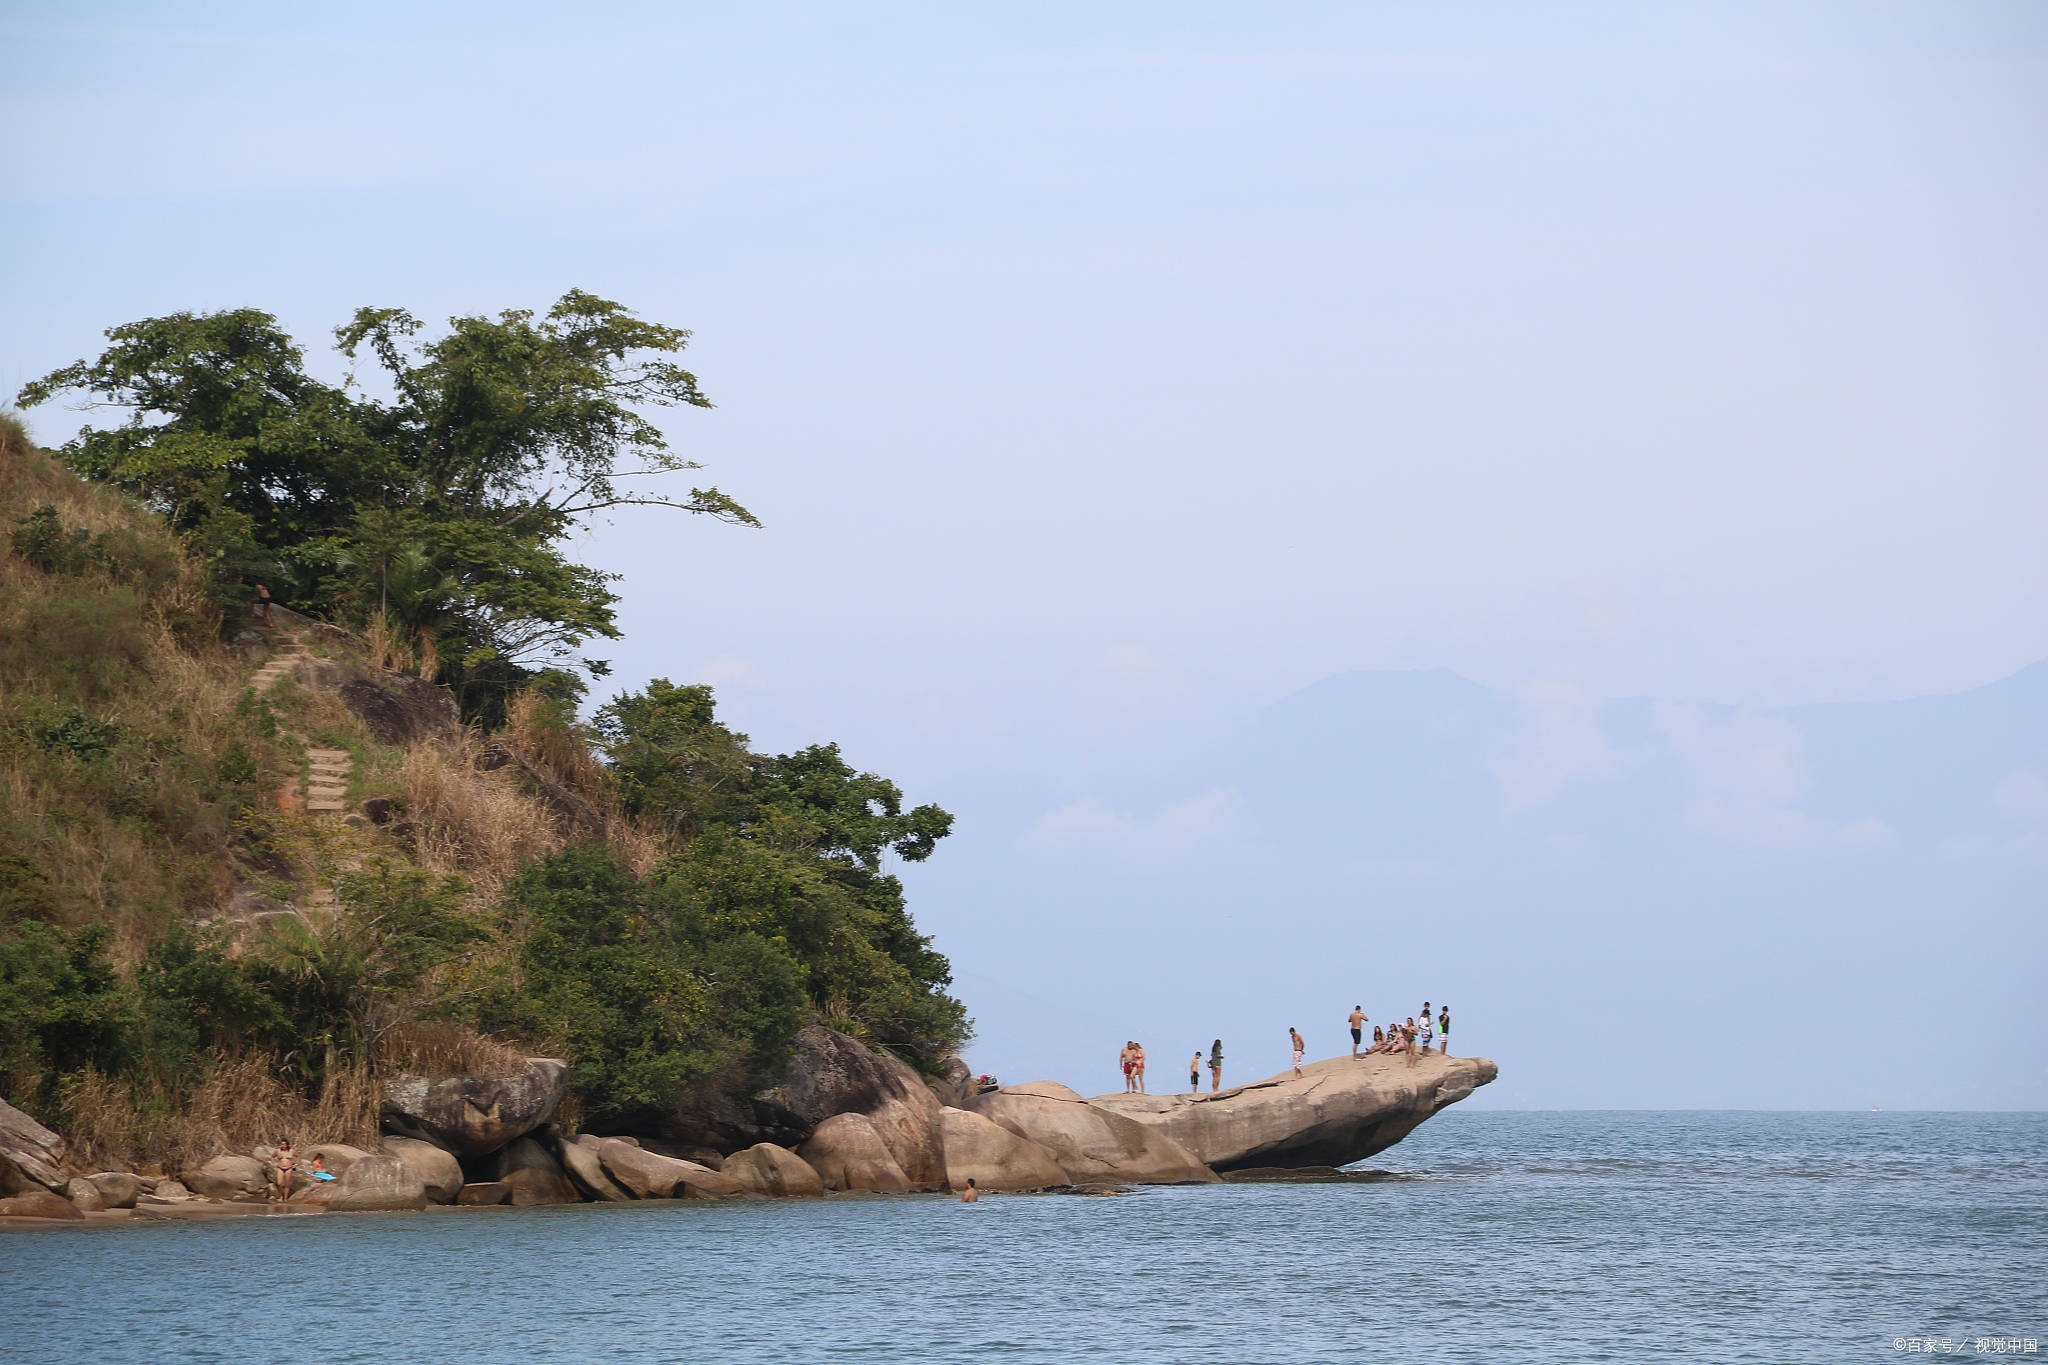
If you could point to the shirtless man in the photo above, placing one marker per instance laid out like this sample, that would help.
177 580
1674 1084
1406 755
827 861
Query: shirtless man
1195 1072
1123 1060
970 1195
1294 1037
1357 1022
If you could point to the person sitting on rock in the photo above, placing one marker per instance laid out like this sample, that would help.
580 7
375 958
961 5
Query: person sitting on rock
1379 1040
318 1170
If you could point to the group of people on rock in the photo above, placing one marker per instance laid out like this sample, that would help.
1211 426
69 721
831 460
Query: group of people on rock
1410 1037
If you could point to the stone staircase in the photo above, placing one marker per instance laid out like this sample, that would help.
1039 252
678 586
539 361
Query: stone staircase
326 786
279 665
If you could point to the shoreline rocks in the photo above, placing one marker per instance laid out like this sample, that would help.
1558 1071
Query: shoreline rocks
474 1115
993 1157
1090 1141
848 1153
1336 1112
30 1154
832 1075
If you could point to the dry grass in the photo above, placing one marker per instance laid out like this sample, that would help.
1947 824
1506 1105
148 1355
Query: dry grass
469 822
242 1101
438 1048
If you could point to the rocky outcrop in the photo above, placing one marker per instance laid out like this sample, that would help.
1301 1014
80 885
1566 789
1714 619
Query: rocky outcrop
534 1176
1090 1142
483 1193
580 1160
230 1177
396 708
379 1183
774 1171
1336 1112
994 1157
84 1195
831 1074
1051 1090
648 1175
953 1084
848 1153
438 1168
474 1115
31 1156
40 1203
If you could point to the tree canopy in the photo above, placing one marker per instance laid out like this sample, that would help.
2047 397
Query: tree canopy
444 505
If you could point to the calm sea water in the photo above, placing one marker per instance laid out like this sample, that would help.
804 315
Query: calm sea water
1568 1237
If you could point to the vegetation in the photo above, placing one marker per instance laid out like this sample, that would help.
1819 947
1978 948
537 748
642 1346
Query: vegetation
188 960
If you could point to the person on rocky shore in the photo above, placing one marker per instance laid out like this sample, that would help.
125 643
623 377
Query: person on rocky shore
1443 1031
286 1161
1138 1065
1427 1027
1408 1039
1215 1066
1195 1072
1357 1022
1127 1066
1300 1048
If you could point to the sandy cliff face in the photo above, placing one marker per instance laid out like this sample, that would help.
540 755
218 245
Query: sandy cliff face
1336 1112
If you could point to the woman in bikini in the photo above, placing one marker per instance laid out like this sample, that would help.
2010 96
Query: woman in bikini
287 1161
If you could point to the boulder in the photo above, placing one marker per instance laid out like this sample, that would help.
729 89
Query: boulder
84 1195
1336 1112
580 1160
231 1177
1051 1090
535 1177
953 1084
483 1193
724 1123
377 1183
439 1169
118 1189
993 1156
849 1154
831 1074
474 1115
682 1151
167 1191
649 1175
765 1168
315 1193
396 708
31 1155
39 1203
1090 1142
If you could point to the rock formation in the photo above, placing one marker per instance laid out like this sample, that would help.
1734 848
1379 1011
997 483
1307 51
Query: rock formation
230 1177
849 1154
994 1157
831 1074
31 1156
439 1169
378 1183
1091 1142
649 1175
40 1203
953 1084
580 1160
1335 1113
474 1115
774 1171
534 1176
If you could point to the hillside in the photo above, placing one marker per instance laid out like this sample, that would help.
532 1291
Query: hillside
248 871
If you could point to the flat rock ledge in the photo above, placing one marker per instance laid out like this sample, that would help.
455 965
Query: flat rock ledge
1335 1113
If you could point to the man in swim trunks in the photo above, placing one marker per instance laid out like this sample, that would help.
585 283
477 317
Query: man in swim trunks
1357 1029
1294 1037
1123 1059
1443 1029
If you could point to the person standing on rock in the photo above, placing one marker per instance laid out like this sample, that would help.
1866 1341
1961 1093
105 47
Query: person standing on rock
1428 1027
1294 1037
1443 1029
287 1161
1357 1029
1195 1072
1215 1066
1138 1065
1123 1059
1408 1039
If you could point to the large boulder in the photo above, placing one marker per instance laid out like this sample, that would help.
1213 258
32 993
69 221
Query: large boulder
580 1160
1051 1090
1336 1112
474 1115
1090 1142
535 1177
231 1177
849 1154
438 1168
40 1203
649 1175
84 1195
953 1084
994 1157
831 1073
118 1189
378 1183
483 1194
396 708
776 1171
31 1156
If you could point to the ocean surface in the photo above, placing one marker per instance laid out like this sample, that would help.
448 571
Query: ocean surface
1518 1237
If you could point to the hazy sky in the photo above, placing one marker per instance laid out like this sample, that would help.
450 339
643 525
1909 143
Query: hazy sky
1101 377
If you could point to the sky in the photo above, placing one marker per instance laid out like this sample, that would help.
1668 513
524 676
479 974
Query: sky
1105 380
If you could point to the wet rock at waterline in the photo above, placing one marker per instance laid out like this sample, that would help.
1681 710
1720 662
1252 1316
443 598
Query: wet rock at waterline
831 1075
774 1171
378 1183
439 1170
849 1154
533 1175
1090 1142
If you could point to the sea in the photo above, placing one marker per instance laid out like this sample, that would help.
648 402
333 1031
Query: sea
1495 1236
